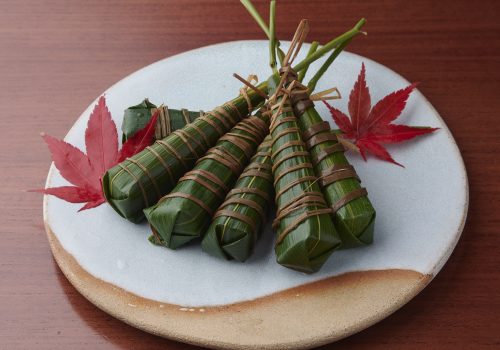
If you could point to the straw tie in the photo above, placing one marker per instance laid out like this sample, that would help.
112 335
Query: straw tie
239 196
321 133
310 202
210 181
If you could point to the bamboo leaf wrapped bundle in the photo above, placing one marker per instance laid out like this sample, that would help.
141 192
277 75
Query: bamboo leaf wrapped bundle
129 189
137 116
306 236
353 215
352 211
186 212
139 181
238 222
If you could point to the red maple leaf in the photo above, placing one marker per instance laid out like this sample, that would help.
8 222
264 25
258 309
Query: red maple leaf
140 140
85 171
370 128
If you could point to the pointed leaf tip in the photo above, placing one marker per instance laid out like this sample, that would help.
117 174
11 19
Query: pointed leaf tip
92 204
359 101
388 109
140 140
101 138
72 163
70 194
340 119
377 150
395 133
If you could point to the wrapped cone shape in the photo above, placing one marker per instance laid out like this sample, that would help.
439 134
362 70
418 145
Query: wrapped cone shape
136 117
154 172
306 236
238 222
139 181
186 212
353 214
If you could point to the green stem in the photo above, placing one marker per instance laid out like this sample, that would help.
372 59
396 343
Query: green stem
260 21
272 36
256 16
331 45
321 71
281 54
336 42
312 49
318 54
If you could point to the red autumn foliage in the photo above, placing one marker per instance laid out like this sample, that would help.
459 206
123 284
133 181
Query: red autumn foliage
85 171
371 128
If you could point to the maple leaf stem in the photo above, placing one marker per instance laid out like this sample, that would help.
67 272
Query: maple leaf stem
347 143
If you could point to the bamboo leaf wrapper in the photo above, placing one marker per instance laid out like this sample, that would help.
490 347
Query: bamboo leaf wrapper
186 212
306 236
352 211
139 181
238 222
136 117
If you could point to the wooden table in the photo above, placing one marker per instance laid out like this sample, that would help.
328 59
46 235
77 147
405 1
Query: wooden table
57 56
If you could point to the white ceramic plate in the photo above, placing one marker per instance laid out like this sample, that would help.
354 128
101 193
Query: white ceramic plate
190 296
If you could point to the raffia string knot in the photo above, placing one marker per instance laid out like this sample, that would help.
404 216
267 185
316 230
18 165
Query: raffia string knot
294 49
325 95
248 85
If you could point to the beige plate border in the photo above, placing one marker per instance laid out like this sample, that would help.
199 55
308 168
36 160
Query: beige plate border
298 318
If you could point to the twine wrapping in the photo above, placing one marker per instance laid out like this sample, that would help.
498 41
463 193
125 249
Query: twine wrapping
221 154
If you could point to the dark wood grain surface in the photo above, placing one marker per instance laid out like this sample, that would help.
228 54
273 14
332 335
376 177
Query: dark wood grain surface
57 56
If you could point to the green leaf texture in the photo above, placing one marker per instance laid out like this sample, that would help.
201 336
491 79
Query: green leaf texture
136 117
186 212
310 241
139 181
238 222
355 220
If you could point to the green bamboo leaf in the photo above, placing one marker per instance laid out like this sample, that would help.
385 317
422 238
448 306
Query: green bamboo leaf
306 236
135 118
141 180
356 219
229 237
353 215
169 120
238 222
186 212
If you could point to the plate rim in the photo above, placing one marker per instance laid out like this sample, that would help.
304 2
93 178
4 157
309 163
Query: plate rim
122 304
434 271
